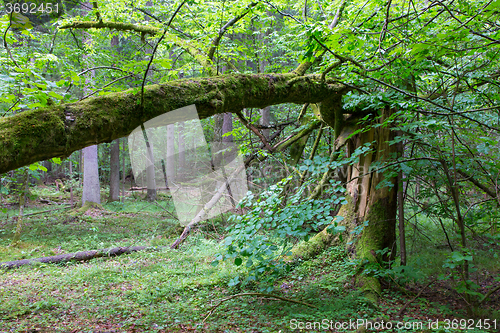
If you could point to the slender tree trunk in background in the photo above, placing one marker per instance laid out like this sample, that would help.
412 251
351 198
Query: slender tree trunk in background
223 125
182 149
71 199
91 186
218 124
47 164
401 211
123 168
218 121
170 162
227 126
80 165
265 120
114 164
150 169
182 143
22 201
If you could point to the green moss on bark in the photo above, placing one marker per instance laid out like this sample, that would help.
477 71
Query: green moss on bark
57 131
324 239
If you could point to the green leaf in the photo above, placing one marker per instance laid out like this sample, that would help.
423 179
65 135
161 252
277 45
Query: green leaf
238 261
494 5
55 95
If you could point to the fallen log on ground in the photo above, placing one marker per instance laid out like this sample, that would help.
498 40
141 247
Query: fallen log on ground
145 188
78 256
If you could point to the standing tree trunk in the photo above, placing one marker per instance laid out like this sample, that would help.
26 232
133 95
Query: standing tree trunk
71 198
91 187
123 168
181 147
371 206
373 202
114 164
227 126
401 211
150 169
265 120
170 162
22 202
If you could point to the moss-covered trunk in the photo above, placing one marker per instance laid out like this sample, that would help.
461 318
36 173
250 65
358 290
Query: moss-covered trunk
371 198
57 131
374 200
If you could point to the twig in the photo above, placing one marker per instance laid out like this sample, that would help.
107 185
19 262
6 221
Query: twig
149 14
400 312
222 31
105 67
154 51
338 15
169 213
426 100
107 85
302 112
254 129
5 41
330 68
257 294
13 105
283 14
489 294
273 126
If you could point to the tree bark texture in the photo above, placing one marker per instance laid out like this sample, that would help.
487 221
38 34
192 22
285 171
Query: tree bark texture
369 201
114 164
91 187
59 130
78 256
170 162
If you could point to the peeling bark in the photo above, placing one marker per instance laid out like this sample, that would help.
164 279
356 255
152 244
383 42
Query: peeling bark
366 202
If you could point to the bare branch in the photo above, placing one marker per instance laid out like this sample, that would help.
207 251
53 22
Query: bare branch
222 31
255 130
154 51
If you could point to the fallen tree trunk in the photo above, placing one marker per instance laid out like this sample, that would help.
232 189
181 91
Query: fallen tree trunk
59 130
78 256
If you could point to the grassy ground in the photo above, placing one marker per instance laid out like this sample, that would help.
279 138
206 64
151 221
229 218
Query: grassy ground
175 290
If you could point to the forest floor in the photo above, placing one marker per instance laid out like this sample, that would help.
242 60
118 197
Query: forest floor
177 290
